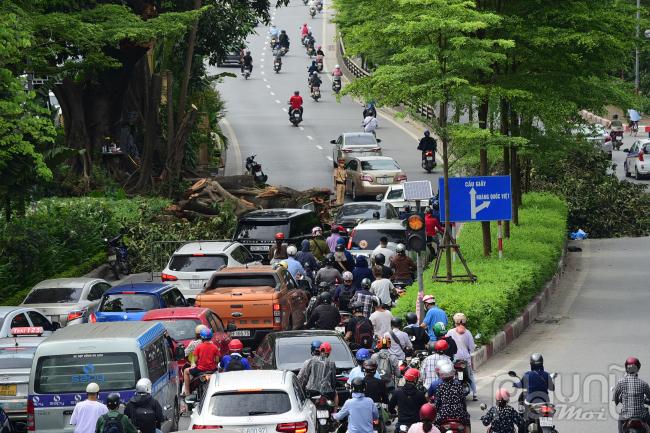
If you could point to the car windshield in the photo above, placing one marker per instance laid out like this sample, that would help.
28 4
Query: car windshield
395 194
369 239
181 329
646 149
243 280
197 263
128 303
246 404
379 164
54 295
291 352
16 357
360 210
261 230
360 140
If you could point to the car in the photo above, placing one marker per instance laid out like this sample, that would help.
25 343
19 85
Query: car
395 195
635 161
288 351
12 318
180 323
371 175
130 302
597 135
230 59
192 264
256 230
350 214
352 144
257 300
255 402
68 301
5 422
15 365
364 238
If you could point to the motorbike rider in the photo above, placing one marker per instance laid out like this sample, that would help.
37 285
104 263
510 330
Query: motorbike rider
318 243
333 237
113 416
234 361
427 143
343 257
274 31
465 345
417 335
503 417
294 265
304 30
305 256
358 329
433 230
283 39
616 124
380 261
402 345
247 62
279 250
314 82
536 382
434 315
189 350
337 73
369 110
427 417
329 274
312 68
633 393
295 103
360 410
277 56
383 249
315 351
315 300
370 124
361 356
440 331
319 54
143 410
309 42
403 266
382 287
450 398
325 316
408 400
387 363
429 365
375 387
318 376
207 360
361 271
380 319
364 297
344 292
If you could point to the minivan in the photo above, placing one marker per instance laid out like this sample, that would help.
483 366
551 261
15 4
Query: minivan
113 355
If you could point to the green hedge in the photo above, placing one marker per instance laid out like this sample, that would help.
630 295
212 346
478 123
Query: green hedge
505 285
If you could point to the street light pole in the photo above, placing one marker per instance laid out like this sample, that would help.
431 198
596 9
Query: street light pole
636 48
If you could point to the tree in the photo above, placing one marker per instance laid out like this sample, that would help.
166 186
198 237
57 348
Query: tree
23 124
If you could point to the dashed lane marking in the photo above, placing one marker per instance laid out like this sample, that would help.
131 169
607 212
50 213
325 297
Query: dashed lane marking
310 137
268 86
319 147
330 158
277 101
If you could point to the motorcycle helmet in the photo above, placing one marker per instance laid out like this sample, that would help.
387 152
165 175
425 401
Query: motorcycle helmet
318 47
362 355
280 235
283 264
336 66
536 360
370 366
426 133
235 346
429 299
315 347
396 322
357 308
632 365
366 283
428 412
347 276
439 329
440 346
340 248
411 318
380 259
446 371
113 401
295 93
460 319
412 375
316 231
358 384
326 348
400 248
329 259
143 386
292 250
248 53
323 286
325 298
206 334
198 329
502 395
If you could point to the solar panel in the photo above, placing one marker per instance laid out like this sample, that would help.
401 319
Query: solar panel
418 190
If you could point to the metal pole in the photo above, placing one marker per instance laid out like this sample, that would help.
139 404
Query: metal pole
499 239
453 237
419 307
636 47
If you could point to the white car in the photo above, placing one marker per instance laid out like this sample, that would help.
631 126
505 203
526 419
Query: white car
18 324
192 265
635 161
395 196
255 401
365 237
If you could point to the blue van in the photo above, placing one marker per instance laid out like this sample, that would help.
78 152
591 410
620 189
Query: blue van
113 355
131 301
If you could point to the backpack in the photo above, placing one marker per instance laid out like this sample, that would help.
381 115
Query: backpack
112 424
144 418
363 333
235 364
344 299
384 367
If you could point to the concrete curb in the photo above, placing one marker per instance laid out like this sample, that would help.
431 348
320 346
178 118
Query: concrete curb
515 328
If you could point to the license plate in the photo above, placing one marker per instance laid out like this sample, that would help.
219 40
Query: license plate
429 158
196 284
259 247
546 421
383 180
460 375
322 414
112 258
252 430
8 390
241 333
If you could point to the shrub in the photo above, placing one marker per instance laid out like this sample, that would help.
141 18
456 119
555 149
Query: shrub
505 285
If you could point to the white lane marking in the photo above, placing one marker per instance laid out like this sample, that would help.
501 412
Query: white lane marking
262 72
268 86
284 109
272 94
319 147
277 101
265 80
310 137
234 146
302 129
262 59
330 158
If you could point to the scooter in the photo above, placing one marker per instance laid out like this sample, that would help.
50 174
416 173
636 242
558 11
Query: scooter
247 72
319 6
315 94
538 417
336 85
324 409
277 65
118 256
452 425
319 63
255 169
274 42
428 161
311 51
296 117
312 12
461 374
617 139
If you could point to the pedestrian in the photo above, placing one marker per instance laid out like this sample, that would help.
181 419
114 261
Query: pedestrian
113 420
340 176
86 413
143 410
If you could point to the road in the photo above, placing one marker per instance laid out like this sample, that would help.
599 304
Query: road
257 120
597 318
618 158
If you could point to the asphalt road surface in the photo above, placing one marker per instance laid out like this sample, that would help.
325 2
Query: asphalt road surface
257 121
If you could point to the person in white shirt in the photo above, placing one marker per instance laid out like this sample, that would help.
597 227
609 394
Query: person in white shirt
380 320
370 124
86 413
401 342
381 287
383 248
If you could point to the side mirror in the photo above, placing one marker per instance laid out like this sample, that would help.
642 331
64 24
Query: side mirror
333 141
626 150
378 140
190 302
179 352
379 197
512 374
190 401
483 406
258 257
231 327
55 326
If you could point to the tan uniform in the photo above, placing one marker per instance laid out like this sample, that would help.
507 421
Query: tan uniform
339 184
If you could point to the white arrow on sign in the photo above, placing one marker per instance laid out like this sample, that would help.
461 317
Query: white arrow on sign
477 209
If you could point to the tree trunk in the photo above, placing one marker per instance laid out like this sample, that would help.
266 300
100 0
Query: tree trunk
505 131
483 171
151 132
187 72
174 162
170 111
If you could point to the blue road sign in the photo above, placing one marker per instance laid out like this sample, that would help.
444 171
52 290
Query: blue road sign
479 198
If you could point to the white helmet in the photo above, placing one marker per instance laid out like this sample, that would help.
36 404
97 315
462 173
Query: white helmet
292 250
347 276
460 318
92 388
440 363
400 248
316 231
446 371
199 328
143 386
336 66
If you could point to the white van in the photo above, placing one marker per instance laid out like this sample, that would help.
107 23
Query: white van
115 355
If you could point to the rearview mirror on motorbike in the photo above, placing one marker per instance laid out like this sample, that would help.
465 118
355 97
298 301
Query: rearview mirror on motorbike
626 150
333 141
512 374
190 401
179 352
378 140
483 406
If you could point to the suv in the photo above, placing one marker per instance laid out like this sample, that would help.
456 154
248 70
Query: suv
365 236
353 144
257 229
192 264
130 302
257 300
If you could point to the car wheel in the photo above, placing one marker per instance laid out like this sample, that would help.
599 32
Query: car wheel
627 173
637 176
176 418
353 194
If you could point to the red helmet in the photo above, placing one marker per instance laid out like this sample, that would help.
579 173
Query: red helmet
632 365
235 346
326 348
441 346
502 395
412 375
279 235
428 412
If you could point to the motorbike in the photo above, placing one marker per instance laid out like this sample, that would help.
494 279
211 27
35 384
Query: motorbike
296 117
277 65
378 425
312 11
274 42
311 51
198 387
319 6
315 94
538 417
636 425
247 72
452 425
461 374
118 256
634 128
324 409
336 85
255 169
617 139
428 160
319 63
